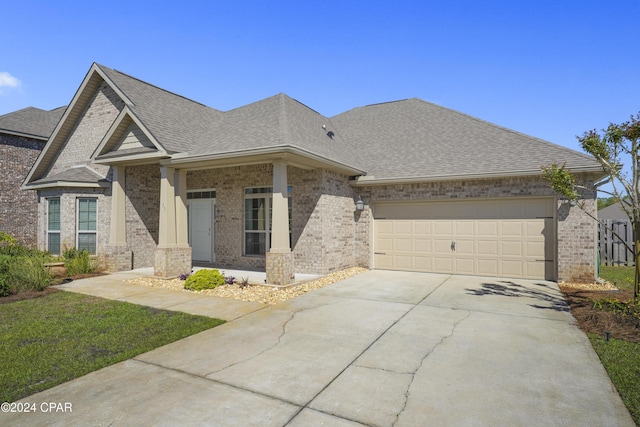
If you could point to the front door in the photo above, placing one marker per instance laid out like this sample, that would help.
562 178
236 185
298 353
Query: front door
201 229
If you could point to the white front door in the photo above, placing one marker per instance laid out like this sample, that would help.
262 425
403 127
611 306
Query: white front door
201 229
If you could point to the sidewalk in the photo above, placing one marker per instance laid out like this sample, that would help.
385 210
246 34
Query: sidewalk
112 286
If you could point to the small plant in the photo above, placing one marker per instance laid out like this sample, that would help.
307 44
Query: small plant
204 279
184 276
616 306
78 261
243 283
229 280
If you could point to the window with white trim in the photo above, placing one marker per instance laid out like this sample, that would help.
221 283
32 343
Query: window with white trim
257 219
53 225
87 215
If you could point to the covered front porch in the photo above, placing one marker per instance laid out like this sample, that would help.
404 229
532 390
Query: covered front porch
178 230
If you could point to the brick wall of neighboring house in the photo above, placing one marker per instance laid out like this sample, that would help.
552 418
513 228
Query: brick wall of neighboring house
95 121
18 209
575 230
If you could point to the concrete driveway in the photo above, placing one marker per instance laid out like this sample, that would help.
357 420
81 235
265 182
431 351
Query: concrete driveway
382 348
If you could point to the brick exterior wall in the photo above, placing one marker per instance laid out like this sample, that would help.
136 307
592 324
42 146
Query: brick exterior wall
100 113
142 190
18 209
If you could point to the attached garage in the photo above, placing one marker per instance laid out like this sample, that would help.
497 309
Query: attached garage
511 237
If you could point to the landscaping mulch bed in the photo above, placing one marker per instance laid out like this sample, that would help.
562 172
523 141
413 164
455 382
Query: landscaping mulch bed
595 321
27 295
254 292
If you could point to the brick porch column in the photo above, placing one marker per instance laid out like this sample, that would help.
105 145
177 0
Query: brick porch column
279 259
172 256
118 256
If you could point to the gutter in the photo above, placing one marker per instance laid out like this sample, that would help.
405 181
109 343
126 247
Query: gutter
372 180
272 153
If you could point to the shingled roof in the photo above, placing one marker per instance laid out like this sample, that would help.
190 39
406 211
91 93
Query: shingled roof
31 122
416 139
402 140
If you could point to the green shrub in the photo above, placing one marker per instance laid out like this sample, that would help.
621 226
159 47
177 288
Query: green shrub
27 273
5 287
78 262
204 279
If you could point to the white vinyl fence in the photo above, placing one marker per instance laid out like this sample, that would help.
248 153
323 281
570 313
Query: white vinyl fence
612 250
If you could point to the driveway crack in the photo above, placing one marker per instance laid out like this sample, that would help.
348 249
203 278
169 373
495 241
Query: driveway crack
426 356
266 349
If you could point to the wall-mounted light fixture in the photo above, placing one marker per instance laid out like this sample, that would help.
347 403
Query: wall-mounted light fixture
359 204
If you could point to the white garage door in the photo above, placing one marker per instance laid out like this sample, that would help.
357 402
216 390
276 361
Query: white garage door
503 238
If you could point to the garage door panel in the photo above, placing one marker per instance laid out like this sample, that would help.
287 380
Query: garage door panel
535 249
488 247
465 265
511 248
512 268
488 267
442 246
487 228
442 264
536 268
464 229
464 247
422 228
403 262
507 237
403 244
403 227
421 246
511 229
442 228
534 228
422 263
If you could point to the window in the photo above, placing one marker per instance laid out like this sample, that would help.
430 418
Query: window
257 219
53 226
87 221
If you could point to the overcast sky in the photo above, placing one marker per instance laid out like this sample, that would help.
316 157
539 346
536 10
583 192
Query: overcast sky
550 69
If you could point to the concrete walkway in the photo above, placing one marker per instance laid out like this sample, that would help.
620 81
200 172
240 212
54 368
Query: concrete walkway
382 348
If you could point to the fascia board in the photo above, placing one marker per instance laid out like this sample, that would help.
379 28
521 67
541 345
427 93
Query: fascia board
23 134
372 180
269 153
58 184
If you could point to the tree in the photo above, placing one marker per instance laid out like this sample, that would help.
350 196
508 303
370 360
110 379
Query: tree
617 150
603 202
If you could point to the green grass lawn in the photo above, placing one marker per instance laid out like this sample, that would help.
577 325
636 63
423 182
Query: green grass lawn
621 359
52 339
622 276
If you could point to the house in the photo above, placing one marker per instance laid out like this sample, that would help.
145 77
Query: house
144 177
23 135
613 211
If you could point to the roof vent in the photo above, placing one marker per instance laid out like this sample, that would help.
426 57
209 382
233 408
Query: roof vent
330 134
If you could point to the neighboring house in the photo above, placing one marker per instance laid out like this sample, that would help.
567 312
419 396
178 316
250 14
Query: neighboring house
23 134
143 177
613 211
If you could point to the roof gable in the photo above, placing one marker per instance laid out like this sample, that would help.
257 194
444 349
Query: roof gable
278 121
127 140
